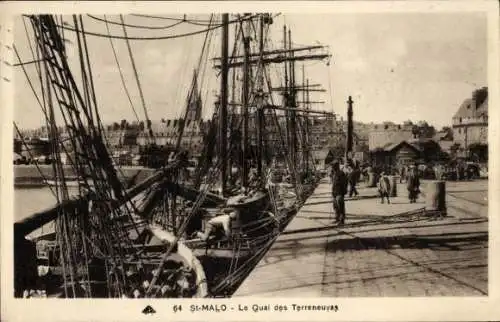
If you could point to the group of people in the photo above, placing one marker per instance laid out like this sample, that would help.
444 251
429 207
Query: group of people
344 180
408 174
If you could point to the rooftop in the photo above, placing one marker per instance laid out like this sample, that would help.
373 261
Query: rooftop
475 106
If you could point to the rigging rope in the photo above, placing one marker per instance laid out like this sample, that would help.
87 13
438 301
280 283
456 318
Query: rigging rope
120 71
133 26
193 91
92 91
291 166
42 106
93 153
330 88
30 46
141 94
96 34
85 77
184 19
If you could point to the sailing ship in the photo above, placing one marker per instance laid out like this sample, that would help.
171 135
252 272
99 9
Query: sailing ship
163 237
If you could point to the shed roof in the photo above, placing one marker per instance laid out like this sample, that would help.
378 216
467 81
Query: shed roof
396 146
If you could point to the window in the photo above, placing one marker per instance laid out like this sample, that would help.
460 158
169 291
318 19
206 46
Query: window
459 131
460 120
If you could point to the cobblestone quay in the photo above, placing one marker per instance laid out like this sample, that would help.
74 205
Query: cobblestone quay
382 250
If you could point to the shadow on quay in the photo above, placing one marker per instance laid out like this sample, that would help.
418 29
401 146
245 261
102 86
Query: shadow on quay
448 241
335 230
444 242
346 199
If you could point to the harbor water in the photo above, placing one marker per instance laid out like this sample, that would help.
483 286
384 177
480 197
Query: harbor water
27 201
30 200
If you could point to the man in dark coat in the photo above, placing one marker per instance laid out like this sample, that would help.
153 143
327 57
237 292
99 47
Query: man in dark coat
339 189
413 184
353 178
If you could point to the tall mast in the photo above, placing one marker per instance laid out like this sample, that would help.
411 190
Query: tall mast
223 104
286 56
293 121
286 90
308 107
232 117
246 81
260 98
304 143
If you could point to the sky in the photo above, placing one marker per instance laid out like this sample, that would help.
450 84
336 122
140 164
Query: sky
396 66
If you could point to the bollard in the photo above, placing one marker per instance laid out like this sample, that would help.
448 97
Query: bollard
394 186
435 197
372 179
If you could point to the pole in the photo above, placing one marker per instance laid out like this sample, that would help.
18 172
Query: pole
349 127
223 104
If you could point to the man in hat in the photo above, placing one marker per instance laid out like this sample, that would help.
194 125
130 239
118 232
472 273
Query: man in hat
413 184
339 189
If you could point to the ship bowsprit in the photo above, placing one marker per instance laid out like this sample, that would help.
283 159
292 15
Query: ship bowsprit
182 274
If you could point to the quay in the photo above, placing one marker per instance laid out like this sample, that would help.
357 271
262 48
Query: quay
36 176
382 250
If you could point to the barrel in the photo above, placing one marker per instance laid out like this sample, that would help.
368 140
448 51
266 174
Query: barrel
394 186
435 196
372 179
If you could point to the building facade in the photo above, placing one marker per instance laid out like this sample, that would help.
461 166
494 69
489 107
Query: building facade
166 134
470 126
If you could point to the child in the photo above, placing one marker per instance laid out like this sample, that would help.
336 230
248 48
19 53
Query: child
384 187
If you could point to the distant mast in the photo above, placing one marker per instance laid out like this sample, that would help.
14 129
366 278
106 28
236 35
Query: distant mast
223 104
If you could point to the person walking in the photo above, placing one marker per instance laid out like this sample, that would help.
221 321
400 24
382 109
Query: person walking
402 173
339 189
353 178
413 185
384 187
